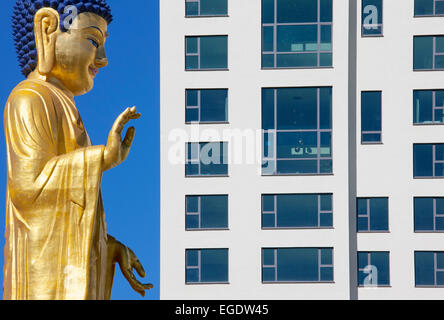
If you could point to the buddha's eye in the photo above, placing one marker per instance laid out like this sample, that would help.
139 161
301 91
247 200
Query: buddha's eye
94 43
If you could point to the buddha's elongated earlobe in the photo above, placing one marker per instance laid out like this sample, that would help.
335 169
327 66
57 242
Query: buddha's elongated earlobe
46 27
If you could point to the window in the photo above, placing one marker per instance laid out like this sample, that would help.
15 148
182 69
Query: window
297 131
371 118
206 53
206 105
206 212
372 18
296 34
206 266
424 8
373 269
429 269
428 52
207 159
428 160
372 214
428 106
297 211
297 265
429 214
209 8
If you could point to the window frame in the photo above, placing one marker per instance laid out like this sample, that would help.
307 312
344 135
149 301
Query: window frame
368 215
275 53
435 215
275 212
199 267
194 161
319 131
199 15
435 269
199 212
434 107
379 24
199 106
320 265
434 161
434 52
198 54
428 15
369 263
371 132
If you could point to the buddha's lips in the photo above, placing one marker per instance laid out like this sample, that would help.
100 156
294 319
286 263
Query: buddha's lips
94 71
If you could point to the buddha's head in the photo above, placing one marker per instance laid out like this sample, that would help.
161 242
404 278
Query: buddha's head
62 40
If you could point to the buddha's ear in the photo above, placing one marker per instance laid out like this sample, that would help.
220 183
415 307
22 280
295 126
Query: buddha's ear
46 25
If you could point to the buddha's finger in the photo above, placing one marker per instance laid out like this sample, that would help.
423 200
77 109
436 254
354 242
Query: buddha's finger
127 117
135 284
129 137
121 120
139 268
148 286
135 116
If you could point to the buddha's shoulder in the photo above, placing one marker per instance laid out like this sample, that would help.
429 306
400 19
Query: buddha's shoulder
30 90
31 97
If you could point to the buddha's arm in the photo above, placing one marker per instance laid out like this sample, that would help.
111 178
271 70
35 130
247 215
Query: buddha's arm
35 167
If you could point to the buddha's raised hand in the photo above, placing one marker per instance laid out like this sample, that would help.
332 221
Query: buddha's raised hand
117 150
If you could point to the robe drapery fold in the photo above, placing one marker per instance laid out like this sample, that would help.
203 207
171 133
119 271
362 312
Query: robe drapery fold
56 240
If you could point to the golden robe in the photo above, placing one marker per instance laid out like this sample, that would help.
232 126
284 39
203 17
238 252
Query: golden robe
56 239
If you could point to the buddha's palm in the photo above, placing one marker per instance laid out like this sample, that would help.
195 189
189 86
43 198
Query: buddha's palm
116 150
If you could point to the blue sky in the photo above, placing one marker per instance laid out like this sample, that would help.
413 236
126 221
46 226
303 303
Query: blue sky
131 191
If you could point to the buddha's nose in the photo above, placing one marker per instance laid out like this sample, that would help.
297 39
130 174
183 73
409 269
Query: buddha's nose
101 59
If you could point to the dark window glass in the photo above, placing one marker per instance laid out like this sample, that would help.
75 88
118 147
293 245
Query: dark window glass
214 265
206 53
214 212
439 8
214 105
290 11
297 38
213 52
372 214
206 8
429 8
191 8
373 268
372 15
371 118
297 265
207 159
207 265
297 211
326 11
301 41
425 268
192 45
297 131
207 105
207 212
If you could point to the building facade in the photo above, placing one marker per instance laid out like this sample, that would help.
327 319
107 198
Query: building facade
302 152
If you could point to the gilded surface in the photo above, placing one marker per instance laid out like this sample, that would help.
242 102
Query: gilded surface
57 245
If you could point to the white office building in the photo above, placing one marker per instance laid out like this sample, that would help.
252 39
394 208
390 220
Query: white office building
302 149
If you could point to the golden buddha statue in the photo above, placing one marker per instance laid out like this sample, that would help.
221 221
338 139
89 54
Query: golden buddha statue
57 245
